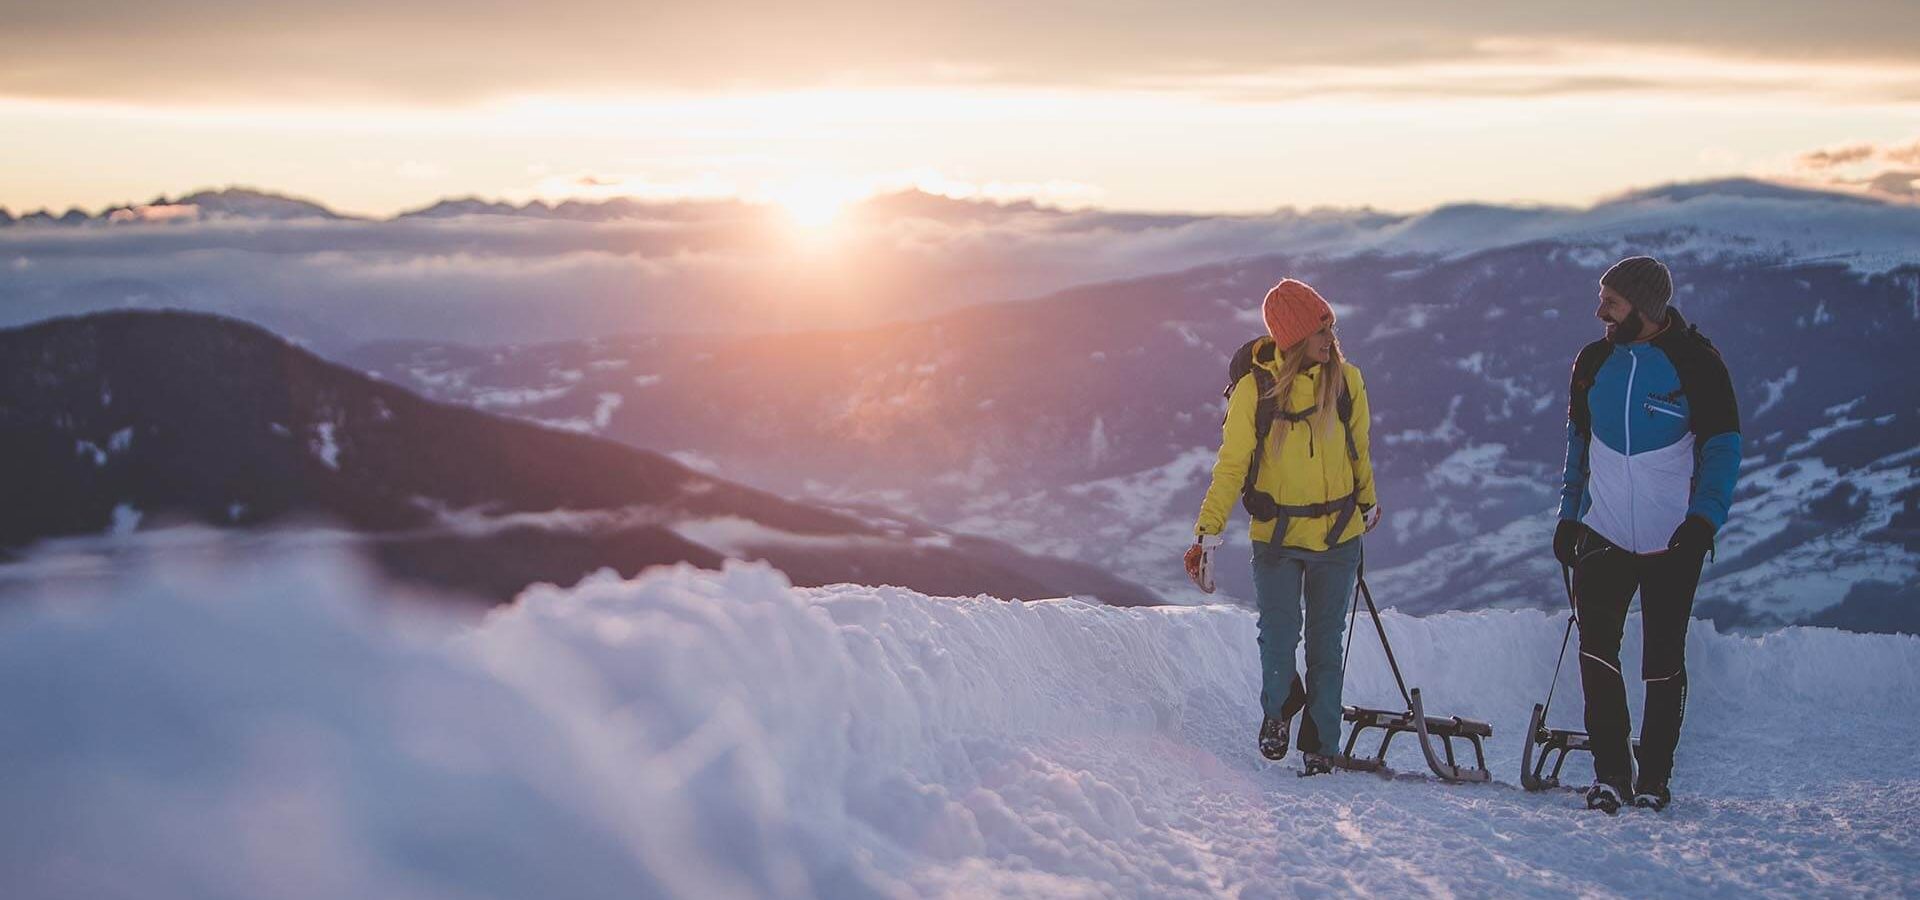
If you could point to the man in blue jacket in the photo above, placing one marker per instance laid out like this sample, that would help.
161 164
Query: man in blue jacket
1653 449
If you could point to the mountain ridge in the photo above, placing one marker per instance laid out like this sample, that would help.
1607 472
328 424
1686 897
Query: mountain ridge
119 416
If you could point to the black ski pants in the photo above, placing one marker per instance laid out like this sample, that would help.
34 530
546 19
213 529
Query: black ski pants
1605 578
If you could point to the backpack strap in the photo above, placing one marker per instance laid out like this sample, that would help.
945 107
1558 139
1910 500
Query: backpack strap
1345 409
1261 505
1258 503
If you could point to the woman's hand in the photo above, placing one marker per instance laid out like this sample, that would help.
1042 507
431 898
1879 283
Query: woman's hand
1371 517
1199 561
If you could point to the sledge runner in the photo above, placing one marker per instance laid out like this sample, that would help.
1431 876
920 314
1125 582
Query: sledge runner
1294 451
1653 450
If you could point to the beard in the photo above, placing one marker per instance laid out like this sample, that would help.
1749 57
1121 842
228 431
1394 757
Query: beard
1627 329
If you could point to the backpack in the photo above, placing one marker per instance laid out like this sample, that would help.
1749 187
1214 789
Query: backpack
1259 504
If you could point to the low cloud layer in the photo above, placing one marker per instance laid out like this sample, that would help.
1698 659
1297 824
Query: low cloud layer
676 267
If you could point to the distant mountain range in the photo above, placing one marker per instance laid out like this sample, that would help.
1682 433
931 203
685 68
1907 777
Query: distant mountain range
1084 424
903 373
487 272
129 420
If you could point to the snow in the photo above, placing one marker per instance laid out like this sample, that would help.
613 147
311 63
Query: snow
1446 432
1816 435
1099 446
325 446
1483 467
1124 523
738 537
708 734
602 416
520 396
647 380
1818 572
1187 335
695 461
89 449
603 411
1841 409
1869 238
126 520
1777 389
121 441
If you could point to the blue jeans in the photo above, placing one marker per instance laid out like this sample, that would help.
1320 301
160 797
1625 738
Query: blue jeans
1327 576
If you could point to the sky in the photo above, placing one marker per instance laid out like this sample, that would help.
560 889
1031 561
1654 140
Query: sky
377 107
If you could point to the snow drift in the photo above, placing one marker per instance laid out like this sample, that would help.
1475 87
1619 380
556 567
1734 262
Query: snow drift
276 726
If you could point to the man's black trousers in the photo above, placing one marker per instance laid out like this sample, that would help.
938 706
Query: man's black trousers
1605 578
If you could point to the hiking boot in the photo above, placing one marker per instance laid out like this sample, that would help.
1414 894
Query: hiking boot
1605 797
1273 737
1653 796
1314 764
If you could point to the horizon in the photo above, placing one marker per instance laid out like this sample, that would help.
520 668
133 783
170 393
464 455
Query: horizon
1620 194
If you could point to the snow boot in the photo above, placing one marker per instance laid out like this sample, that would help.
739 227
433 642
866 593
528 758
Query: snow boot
1652 796
1273 737
1314 764
1607 797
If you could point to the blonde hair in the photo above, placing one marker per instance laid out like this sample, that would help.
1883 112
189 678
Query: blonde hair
1333 385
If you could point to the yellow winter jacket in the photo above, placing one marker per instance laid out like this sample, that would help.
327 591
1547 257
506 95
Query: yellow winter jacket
1303 472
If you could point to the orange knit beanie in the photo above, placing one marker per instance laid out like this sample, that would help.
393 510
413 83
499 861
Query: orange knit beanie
1293 310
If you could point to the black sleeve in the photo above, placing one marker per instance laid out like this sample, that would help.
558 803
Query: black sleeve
1585 367
1709 388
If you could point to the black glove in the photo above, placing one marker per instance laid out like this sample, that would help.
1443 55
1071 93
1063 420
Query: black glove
1566 541
1694 537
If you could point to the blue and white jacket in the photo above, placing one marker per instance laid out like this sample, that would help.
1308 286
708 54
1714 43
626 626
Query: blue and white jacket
1653 436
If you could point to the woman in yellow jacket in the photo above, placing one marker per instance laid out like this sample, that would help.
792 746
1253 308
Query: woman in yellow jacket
1311 498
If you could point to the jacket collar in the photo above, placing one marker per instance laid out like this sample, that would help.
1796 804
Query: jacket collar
1676 328
1267 355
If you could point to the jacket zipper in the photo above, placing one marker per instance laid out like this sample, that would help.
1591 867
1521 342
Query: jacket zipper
1633 530
1656 409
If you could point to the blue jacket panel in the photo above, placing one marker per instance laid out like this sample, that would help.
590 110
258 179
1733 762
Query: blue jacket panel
1653 436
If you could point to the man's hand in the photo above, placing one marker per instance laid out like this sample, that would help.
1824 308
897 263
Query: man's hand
1566 541
1199 560
1694 537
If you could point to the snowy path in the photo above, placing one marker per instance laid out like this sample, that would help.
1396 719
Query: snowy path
723 734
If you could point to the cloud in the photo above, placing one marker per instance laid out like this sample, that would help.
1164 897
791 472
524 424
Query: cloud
1882 170
1902 185
1839 156
275 50
679 266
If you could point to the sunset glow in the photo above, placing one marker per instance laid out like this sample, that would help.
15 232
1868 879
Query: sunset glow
815 204
1510 111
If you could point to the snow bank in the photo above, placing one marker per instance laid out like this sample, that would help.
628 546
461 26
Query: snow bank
263 728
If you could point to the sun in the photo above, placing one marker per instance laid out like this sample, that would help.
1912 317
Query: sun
815 204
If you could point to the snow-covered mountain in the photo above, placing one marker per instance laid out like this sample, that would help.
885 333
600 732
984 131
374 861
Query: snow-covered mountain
116 421
226 204
723 734
1083 424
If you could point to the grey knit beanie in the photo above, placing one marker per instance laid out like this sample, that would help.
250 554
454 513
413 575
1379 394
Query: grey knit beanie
1645 283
